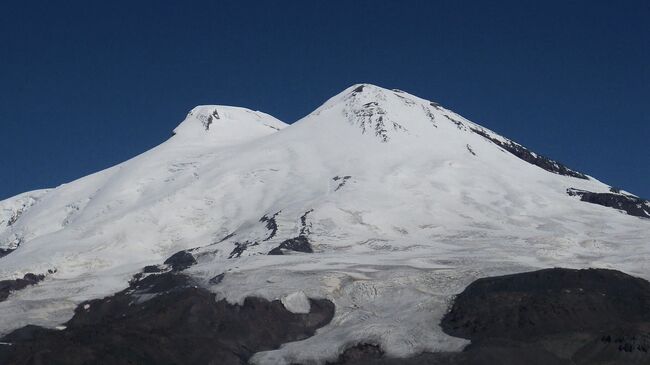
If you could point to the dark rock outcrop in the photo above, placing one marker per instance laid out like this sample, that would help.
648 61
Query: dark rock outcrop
299 244
181 260
506 355
9 286
164 319
525 154
240 248
630 204
554 316
593 316
212 117
342 180
217 279
271 225
305 228
545 302
152 269
5 251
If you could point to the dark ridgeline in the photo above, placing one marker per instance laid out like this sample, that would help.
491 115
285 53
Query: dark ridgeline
553 316
165 318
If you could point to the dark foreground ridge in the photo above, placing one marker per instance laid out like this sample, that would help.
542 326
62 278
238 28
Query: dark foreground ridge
163 318
630 204
554 316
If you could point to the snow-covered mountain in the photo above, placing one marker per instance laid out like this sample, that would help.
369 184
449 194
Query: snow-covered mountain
380 201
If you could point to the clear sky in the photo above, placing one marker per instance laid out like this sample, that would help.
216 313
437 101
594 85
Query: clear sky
87 84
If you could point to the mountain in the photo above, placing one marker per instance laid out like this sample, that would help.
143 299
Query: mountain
379 201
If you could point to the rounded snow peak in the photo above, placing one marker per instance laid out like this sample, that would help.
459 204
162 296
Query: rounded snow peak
359 88
226 124
365 94
384 113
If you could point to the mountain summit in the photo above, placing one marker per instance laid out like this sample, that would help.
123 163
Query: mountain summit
226 124
382 202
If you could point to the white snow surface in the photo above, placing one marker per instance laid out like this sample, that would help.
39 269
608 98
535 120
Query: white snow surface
10 211
403 204
296 302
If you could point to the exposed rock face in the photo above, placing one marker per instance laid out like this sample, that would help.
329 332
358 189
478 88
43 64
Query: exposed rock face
165 319
9 286
180 260
592 316
341 181
546 302
531 157
241 247
299 244
632 205
271 225
5 252
363 109
364 354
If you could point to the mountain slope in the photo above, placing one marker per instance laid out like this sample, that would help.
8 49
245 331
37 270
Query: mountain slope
383 202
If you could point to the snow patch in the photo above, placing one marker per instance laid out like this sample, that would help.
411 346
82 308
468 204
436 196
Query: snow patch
297 303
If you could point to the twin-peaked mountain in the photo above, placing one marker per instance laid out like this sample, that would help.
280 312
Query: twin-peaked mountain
358 202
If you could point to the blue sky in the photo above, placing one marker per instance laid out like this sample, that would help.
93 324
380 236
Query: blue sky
85 85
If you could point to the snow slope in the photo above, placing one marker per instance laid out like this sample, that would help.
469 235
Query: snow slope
403 203
10 211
